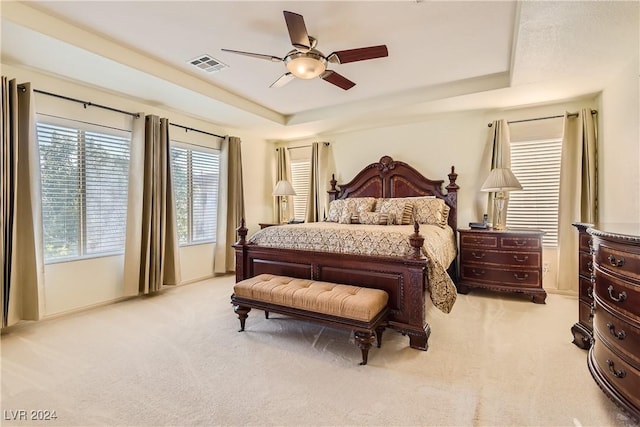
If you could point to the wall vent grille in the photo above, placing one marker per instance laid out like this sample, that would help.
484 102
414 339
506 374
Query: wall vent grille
207 63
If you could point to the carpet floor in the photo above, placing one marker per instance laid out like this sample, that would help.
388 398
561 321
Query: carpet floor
177 359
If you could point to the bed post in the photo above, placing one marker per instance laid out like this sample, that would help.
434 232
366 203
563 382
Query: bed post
333 193
242 270
416 241
452 197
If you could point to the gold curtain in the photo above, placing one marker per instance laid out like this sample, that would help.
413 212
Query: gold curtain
318 183
283 166
578 191
23 260
230 204
152 219
500 158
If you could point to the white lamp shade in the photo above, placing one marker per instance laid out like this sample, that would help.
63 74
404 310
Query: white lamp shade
284 188
501 179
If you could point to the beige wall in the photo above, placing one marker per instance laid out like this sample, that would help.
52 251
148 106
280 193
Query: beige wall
619 154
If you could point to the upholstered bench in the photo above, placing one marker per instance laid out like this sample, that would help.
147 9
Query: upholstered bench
362 310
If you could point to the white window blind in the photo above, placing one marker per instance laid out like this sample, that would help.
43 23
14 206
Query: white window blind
300 170
196 177
85 178
536 164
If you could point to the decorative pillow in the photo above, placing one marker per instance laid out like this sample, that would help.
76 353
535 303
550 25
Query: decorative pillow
345 215
373 218
361 204
430 211
395 208
335 208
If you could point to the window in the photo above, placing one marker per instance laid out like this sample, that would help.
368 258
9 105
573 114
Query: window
85 175
196 176
536 164
300 162
300 171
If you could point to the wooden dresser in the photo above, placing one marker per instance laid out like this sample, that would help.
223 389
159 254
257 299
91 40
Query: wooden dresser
614 357
583 330
504 261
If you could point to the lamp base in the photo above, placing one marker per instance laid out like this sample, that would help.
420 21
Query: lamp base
500 202
284 213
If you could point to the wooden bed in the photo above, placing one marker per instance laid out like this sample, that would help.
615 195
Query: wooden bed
404 278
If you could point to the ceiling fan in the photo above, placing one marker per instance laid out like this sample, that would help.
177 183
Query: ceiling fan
306 62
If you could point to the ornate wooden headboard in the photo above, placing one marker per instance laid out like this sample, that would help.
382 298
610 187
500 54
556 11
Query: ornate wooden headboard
390 178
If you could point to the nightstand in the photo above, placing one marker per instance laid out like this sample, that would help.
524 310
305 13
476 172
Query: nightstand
504 261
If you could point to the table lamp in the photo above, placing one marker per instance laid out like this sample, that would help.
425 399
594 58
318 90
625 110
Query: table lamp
500 180
283 189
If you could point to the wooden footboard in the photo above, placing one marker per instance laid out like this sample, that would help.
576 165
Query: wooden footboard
404 279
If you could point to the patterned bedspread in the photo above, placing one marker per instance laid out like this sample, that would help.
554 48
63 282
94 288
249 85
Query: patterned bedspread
379 240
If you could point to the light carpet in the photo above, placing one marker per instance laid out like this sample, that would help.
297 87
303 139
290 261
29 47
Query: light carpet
177 358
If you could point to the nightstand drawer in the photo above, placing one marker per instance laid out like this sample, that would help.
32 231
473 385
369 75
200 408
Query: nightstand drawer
510 258
585 314
617 372
585 242
478 240
485 275
519 242
619 334
622 296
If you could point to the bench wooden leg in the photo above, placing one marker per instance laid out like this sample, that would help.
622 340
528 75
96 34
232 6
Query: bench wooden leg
379 331
243 313
266 314
364 341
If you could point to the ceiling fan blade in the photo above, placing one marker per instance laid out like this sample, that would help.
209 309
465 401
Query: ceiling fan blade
297 31
361 54
255 55
337 79
283 80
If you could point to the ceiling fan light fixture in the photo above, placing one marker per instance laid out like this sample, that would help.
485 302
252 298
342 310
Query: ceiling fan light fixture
306 65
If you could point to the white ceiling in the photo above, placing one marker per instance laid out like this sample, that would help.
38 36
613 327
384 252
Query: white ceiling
443 56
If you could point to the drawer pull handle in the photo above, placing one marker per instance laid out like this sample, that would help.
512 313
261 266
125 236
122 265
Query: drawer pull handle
519 242
523 259
621 295
524 276
476 256
590 292
590 266
477 272
592 312
618 374
612 330
615 262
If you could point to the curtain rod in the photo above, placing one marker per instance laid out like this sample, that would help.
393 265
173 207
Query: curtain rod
85 103
186 129
545 118
326 144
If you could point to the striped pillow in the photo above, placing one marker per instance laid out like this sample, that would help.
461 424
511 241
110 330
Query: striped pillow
374 218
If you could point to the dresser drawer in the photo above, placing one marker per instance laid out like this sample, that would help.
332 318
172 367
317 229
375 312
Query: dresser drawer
620 335
586 290
585 264
585 314
617 372
478 240
619 262
618 294
480 274
510 258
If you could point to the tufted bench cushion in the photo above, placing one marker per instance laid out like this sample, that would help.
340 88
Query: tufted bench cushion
361 310
351 302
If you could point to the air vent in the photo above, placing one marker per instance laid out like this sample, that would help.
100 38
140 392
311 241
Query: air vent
207 63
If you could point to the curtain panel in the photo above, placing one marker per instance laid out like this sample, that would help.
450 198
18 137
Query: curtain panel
318 180
283 169
152 257
578 191
230 204
23 259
